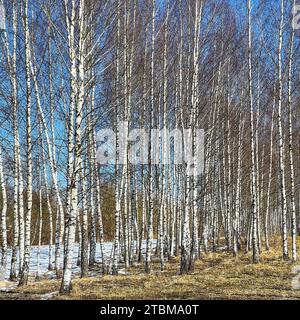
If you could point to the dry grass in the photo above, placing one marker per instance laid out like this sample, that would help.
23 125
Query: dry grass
216 276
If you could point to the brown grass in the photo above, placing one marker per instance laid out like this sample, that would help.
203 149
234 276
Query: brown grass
216 276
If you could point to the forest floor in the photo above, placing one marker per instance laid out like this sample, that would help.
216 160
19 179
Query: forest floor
216 276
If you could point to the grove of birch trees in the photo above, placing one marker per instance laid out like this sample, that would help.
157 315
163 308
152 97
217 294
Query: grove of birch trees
70 68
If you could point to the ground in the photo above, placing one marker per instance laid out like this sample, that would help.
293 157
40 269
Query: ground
216 276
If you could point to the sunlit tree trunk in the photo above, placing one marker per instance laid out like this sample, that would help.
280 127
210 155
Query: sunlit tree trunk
18 197
25 268
195 101
116 245
238 190
149 243
291 159
253 171
281 141
3 224
49 207
78 92
267 216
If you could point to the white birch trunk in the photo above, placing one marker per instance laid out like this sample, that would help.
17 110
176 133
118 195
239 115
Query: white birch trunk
3 224
66 285
281 141
25 267
253 171
17 176
267 216
151 169
116 247
291 160
49 207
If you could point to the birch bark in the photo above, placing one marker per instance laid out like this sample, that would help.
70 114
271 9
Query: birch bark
281 141
253 171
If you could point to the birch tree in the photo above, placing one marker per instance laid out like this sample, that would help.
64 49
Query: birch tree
281 141
253 170
25 268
